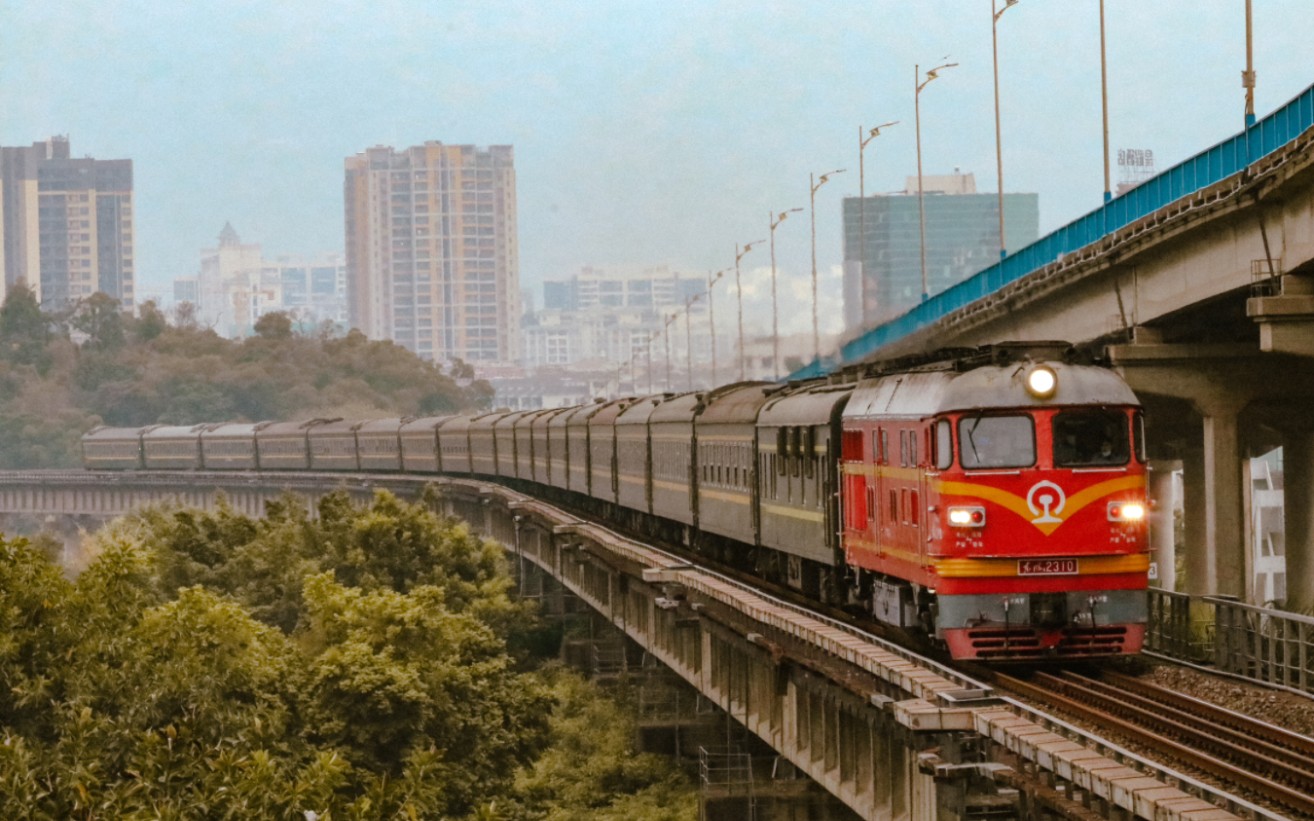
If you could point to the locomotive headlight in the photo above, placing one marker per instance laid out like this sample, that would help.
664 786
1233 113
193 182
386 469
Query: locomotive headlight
1042 381
1126 511
967 516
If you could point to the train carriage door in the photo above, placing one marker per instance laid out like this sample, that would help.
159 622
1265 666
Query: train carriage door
920 437
854 483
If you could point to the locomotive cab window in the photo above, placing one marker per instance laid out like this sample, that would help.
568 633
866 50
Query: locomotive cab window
1088 438
944 445
996 441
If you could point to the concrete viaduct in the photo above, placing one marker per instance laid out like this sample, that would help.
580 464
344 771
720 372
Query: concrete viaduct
872 730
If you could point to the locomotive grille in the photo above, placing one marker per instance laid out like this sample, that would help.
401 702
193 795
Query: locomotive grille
1027 643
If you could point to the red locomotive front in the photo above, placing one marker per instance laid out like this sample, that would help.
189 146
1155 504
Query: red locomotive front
1001 508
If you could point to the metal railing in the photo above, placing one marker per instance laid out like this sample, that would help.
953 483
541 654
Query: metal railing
1259 644
1213 165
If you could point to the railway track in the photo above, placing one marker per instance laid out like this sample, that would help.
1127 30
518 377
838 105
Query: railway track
1269 762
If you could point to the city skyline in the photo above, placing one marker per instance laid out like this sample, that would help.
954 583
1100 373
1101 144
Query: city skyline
644 136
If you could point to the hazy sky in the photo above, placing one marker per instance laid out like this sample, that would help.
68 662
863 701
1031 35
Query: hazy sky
645 133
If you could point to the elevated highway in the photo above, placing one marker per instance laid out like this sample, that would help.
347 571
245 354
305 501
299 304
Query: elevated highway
1199 286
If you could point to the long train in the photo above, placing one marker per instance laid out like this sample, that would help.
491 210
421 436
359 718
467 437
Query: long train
992 499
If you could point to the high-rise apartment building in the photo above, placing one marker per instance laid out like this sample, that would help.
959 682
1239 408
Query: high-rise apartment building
962 237
432 255
66 224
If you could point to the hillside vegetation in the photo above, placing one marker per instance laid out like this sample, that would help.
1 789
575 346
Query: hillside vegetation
61 375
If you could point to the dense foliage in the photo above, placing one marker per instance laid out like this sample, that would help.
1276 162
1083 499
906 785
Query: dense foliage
353 664
61 375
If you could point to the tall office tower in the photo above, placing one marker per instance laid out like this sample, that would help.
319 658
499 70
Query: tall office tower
66 224
962 237
432 257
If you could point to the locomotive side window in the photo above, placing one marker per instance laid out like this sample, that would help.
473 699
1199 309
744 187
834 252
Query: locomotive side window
996 441
944 445
1084 438
851 445
1138 436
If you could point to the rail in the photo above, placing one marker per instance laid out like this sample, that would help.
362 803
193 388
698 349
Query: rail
1211 166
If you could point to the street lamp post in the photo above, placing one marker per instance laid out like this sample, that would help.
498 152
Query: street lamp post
999 151
712 279
775 314
918 85
688 337
1104 105
1248 76
666 337
739 290
651 337
815 184
871 134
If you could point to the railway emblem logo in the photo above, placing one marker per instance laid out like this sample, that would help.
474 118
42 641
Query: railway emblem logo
1045 500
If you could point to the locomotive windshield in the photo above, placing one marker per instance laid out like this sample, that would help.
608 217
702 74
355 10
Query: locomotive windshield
996 441
1087 438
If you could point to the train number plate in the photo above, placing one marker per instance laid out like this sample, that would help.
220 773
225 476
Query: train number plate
1047 567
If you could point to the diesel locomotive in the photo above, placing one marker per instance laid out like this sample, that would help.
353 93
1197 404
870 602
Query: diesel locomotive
991 499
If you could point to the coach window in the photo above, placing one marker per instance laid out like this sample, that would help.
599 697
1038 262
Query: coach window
809 450
1005 441
944 445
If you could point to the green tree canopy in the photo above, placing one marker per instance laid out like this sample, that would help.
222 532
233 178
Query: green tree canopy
178 677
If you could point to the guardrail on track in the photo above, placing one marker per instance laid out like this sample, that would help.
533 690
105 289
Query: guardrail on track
1261 644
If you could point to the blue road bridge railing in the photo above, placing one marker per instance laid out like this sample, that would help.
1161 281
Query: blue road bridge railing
1200 171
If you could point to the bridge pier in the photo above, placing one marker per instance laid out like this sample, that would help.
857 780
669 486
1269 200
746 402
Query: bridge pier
1286 319
1298 506
1214 406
